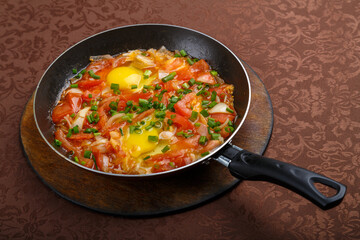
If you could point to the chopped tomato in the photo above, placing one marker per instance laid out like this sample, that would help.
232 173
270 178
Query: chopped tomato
222 117
71 104
102 161
174 64
180 121
200 66
86 84
136 96
181 106
206 78
169 160
81 136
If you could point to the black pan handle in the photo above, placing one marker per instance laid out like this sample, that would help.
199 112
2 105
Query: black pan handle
250 166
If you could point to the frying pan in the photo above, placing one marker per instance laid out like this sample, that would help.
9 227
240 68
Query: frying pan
241 163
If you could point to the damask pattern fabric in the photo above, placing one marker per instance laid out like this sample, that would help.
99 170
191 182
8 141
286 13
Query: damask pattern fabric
308 55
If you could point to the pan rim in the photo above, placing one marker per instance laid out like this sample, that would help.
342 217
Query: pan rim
198 161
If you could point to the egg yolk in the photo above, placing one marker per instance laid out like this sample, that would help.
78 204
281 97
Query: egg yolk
138 144
126 77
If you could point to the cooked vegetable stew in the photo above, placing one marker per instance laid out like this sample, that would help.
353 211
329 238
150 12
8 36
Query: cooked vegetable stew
143 112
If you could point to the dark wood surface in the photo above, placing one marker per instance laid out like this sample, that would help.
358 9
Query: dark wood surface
145 197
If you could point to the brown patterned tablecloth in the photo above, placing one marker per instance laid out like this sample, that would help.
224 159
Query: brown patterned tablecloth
306 52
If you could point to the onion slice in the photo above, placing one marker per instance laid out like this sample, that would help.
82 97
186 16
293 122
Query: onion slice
80 117
219 108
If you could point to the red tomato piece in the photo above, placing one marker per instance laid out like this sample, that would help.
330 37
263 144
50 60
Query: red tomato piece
86 84
169 160
72 104
222 117
81 136
200 66
206 78
102 161
181 106
180 121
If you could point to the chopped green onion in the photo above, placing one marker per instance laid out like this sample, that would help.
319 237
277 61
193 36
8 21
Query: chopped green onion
174 99
169 77
90 130
183 53
147 157
216 85
215 136
79 75
160 114
213 96
114 86
147 74
197 124
202 140
153 139
83 71
211 105
160 96
204 113
204 154
83 162
212 123
87 154
143 102
127 117
93 75
72 115
157 87
177 55
121 132
94 108
143 53
97 134
169 122
213 72
172 164
204 103
75 129
185 85
229 110
165 149
69 133
191 62
172 116
229 129
93 117
74 71
134 86
151 124
90 95
194 116
57 143
76 159
74 85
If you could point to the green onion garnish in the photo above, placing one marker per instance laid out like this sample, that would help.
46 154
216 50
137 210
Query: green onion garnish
192 82
197 124
153 139
90 130
147 157
183 53
169 122
75 129
57 143
202 140
213 72
121 132
157 87
160 114
83 162
204 154
74 85
194 116
191 62
143 102
69 133
211 105
72 115
94 108
229 110
229 129
169 77
172 164
204 113
165 149
87 154
76 159
97 134
74 71
215 136
134 86
90 95
93 75
177 55
185 85
147 74
213 96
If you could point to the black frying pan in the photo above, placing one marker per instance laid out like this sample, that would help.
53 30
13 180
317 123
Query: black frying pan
241 163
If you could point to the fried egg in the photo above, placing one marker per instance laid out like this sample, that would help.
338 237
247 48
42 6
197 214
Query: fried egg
126 77
138 143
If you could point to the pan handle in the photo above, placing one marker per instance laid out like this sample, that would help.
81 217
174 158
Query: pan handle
250 166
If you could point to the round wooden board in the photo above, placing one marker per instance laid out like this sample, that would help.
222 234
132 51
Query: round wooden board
146 197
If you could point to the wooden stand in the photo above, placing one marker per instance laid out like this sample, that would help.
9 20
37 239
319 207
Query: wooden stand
133 197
